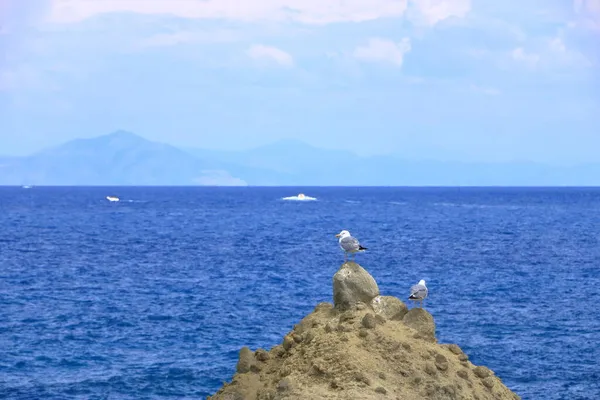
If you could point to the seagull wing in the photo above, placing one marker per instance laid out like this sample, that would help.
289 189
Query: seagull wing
418 292
350 244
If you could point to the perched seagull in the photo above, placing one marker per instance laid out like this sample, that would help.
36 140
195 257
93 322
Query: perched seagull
349 244
418 292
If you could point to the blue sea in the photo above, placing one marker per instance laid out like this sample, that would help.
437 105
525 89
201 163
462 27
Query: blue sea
153 296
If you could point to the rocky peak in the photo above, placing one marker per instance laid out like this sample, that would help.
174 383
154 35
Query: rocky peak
363 346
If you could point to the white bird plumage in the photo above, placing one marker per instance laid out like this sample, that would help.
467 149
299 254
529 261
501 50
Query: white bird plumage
349 244
419 292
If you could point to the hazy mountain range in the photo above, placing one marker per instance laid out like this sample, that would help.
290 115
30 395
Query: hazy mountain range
124 158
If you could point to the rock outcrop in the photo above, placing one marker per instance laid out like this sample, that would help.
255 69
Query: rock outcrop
352 284
364 346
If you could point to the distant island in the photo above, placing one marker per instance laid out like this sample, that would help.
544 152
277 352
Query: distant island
124 158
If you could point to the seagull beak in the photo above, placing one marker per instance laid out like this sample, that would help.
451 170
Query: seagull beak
338 235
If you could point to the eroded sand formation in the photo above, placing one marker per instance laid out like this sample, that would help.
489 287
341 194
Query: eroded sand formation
364 346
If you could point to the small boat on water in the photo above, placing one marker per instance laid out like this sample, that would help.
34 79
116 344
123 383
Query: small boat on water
112 198
26 187
300 197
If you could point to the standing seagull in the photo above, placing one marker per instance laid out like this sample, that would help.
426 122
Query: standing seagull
349 244
418 292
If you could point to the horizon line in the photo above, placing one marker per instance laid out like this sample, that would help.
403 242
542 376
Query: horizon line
317 186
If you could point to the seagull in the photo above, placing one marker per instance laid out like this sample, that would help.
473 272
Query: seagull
418 292
349 244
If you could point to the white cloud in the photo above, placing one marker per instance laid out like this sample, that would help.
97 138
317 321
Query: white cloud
589 12
169 39
383 50
306 11
430 12
529 59
176 38
262 52
557 45
552 53
560 54
424 12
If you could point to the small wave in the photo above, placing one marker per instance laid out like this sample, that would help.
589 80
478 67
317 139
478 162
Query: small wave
398 203
352 201
468 205
159 317
70 363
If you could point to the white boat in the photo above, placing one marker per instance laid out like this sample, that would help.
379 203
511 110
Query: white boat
300 197
112 198
26 187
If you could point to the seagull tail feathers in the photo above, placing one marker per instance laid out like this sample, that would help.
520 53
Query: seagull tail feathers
360 248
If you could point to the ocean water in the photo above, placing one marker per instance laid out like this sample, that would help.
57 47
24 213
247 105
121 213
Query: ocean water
152 297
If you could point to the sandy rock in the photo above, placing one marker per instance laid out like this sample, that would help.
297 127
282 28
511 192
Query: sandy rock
362 377
482 372
309 336
430 369
246 360
284 385
261 355
339 353
314 319
330 327
233 396
352 285
421 321
454 348
277 351
369 321
389 307
441 362
288 342
463 374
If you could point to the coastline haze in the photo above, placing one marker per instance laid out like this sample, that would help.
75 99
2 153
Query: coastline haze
444 80
124 158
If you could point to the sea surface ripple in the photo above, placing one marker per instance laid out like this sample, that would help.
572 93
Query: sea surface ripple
153 296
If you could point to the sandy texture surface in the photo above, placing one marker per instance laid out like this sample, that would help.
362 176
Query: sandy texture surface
373 350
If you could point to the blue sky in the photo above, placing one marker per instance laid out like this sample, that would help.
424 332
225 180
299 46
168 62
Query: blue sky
475 80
